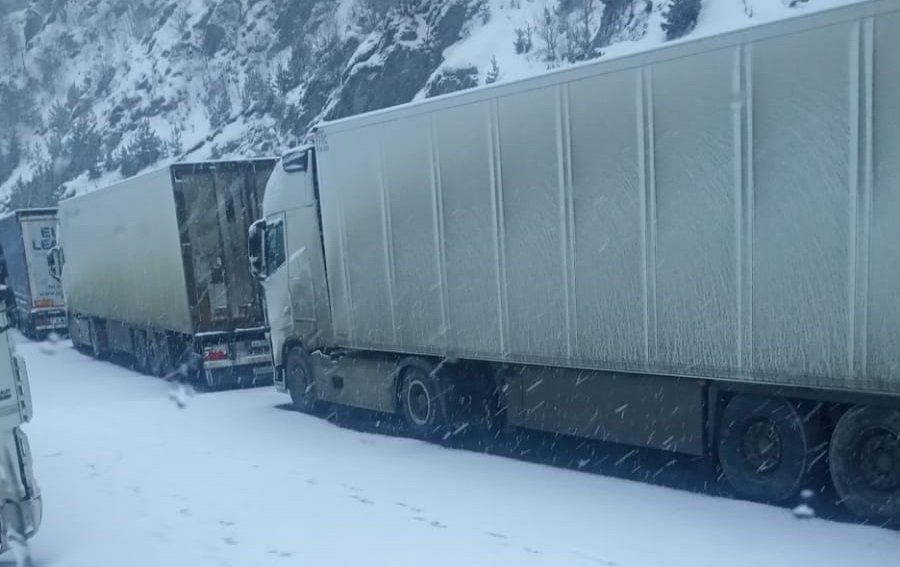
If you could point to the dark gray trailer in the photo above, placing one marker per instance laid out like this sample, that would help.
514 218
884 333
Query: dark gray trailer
694 249
26 238
154 269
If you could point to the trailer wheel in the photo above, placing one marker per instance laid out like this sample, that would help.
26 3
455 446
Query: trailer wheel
865 462
767 450
421 400
300 381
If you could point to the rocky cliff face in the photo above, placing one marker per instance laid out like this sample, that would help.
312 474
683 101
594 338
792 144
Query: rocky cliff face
95 90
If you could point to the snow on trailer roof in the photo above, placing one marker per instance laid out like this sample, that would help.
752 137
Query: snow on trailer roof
221 161
169 167
36 211
31 212
624 58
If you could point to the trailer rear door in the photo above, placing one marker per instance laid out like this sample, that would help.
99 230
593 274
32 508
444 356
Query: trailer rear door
38 237
216 205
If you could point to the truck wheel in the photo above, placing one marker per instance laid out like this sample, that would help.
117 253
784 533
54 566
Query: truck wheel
767 450
422 401
300 381
865 462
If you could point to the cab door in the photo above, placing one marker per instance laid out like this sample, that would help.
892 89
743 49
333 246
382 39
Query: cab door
275 280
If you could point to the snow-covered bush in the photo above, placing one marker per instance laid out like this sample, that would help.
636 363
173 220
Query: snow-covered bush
681 18
144 149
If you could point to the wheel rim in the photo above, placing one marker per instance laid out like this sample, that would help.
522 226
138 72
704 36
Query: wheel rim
418 401
878 458
761 446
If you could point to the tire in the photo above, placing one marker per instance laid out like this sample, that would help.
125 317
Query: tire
300 381
767 449
422 400
865 462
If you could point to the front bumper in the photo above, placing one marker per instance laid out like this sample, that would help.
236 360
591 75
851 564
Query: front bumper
24 517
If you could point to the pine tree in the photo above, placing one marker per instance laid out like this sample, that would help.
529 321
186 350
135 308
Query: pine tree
550 26
59 118
83 145
10 156
217 100
681 18
144 149
580 35
494 73
523 42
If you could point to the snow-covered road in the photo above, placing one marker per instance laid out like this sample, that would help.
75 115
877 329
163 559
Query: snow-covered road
131 479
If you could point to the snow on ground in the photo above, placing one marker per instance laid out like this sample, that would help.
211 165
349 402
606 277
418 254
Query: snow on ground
128 478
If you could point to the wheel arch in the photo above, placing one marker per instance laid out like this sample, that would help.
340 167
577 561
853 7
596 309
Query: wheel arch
289 343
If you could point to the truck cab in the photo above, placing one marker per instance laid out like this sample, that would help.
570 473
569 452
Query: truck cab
20 495
297 308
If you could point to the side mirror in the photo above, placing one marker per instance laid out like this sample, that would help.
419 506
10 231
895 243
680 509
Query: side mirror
7 305
8 297
54 261
256 239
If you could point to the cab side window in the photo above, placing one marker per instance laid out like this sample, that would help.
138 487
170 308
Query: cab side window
275 254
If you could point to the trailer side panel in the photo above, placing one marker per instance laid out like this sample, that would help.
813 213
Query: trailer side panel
123 256
881 202
720 209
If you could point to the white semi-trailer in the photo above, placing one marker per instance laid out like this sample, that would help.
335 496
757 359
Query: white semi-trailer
154 270
26 238
20 496
694 249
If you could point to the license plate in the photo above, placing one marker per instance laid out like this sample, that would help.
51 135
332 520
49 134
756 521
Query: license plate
59 322
258 370
259 344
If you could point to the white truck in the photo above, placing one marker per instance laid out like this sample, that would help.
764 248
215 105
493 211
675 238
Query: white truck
20 495
26 238
693 249
154 272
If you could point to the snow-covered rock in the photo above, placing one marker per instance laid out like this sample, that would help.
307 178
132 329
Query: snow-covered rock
96 90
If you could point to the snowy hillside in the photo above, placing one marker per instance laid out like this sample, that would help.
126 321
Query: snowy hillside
97 90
